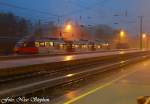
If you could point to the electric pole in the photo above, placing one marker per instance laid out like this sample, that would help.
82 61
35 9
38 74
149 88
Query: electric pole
59 27
141 31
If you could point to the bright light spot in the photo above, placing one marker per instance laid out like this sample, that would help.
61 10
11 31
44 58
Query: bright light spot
68 27
121 52
122 33
68 58
143 35
70 75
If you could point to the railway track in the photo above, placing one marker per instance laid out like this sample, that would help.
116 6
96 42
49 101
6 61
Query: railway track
70 73
89 64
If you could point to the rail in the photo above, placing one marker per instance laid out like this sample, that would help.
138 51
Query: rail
72 74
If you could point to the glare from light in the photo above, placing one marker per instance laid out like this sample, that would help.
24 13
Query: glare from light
68 58
122 33
121 52
69 75
68 27
71 95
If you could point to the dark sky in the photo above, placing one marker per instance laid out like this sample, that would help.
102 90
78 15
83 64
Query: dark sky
92 11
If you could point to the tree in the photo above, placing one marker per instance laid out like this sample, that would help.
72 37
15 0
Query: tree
11 25
12 28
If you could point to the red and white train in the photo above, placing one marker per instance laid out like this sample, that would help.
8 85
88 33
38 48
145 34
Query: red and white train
54 45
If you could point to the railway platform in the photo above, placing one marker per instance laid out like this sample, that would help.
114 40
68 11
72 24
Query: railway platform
130 86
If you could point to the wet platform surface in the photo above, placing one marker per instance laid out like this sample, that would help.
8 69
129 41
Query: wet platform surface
121 88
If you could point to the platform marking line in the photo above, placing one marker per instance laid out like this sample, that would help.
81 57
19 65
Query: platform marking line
99 88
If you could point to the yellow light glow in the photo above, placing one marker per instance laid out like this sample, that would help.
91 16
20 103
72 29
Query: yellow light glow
68 27
122 33
68 58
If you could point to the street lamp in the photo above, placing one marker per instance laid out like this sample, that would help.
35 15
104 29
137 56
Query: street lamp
144 35
121 35
68 27
68 31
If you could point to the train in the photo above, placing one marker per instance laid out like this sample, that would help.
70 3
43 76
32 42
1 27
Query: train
54 45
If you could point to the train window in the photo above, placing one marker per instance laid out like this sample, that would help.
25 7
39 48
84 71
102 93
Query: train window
51 43
37 44
84 46
47 44
42 44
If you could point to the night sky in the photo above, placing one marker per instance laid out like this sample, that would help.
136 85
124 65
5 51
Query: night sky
92 11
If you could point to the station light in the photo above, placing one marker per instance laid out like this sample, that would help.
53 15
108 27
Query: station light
68 27
144 35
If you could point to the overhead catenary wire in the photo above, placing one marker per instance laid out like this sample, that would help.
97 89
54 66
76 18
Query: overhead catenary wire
84 8
87 8
27 9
